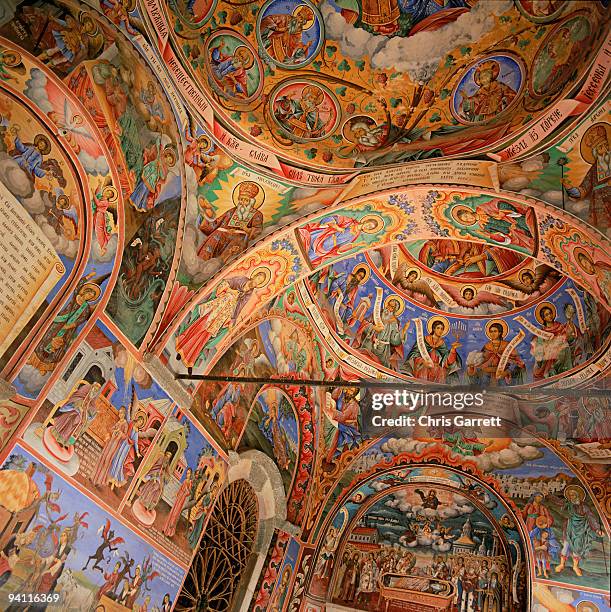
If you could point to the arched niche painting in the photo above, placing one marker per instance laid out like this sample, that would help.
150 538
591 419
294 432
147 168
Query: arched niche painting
274 429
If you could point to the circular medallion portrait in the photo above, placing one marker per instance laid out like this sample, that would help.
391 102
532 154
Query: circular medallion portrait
541 11
488 88
193 13
290 32
562 50
234 68
364 132
304 110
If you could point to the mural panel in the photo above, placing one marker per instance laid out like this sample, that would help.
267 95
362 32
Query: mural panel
173 492
58 541
365 84
395 325
101 417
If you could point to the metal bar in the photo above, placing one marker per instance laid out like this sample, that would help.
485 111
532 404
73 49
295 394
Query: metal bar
384 384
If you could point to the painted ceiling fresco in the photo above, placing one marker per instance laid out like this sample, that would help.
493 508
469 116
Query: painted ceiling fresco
348 84
296 191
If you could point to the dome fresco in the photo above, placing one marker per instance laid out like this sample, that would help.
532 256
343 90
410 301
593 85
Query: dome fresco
226 225
342 85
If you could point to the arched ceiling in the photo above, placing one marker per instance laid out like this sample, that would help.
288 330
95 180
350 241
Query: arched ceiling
343 84
536 286
225 187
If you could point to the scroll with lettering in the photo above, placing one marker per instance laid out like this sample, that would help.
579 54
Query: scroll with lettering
29 267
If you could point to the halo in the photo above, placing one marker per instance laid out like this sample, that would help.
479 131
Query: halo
457 209
581 251
542 522
15 62
363 267
500 322
259 198
169 150
251 56
584 606
579 490
378 220
444 320
554 14
203 138
61 200
313 90
308 24
85 19
586 151
540 307
41 137
465 287
418 272
95 288
266 271
496 68
398 299
114 193
526 271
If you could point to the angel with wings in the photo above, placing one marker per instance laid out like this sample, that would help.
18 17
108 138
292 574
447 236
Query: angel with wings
413 285
533 284
473 301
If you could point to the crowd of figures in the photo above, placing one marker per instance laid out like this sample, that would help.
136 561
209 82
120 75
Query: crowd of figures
480 583
437 349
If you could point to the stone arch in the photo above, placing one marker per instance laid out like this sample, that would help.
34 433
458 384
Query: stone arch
258 470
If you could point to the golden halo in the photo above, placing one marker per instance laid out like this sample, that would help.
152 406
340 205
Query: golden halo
526 271
42 138
171 152
397 299
250 186
379 223
465 287
347 132
310 22
579 490
367 271
487 65
251 58
95 288
540 307
266 271
15 61
418 272
462 208
542 522
587 606
577 251
444 320
500 322
88 24
113 193
594 135
63 202
204 139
